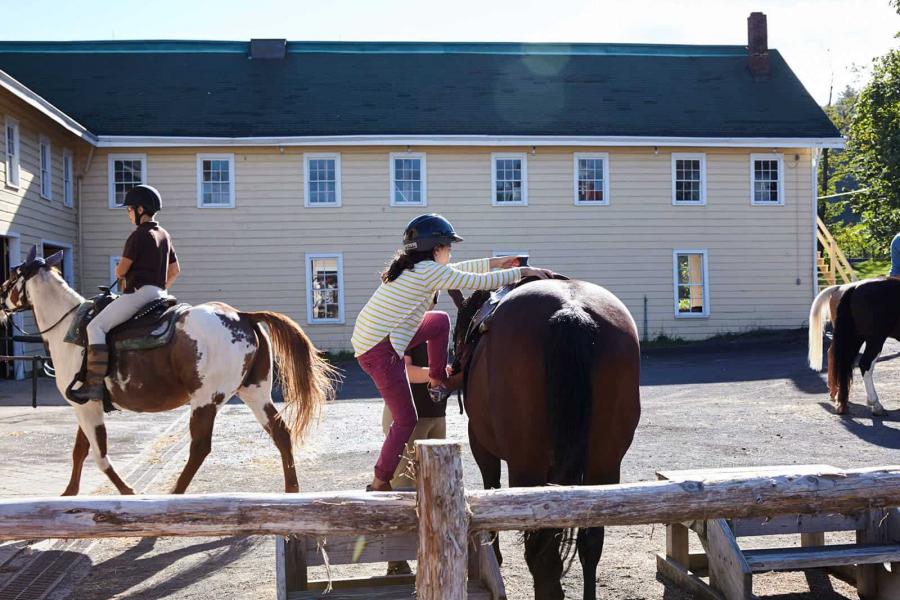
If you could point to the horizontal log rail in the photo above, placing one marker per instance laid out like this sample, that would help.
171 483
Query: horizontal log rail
837 260
358 513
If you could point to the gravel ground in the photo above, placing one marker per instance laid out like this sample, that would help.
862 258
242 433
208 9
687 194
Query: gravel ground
714 406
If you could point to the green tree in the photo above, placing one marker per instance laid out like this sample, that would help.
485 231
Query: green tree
874 149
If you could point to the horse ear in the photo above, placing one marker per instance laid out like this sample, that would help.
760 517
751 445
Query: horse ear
55 260
32 255
457 298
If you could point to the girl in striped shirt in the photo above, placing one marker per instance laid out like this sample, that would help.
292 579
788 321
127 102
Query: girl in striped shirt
396 317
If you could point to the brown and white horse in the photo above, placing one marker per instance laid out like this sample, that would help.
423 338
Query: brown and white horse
825 309
216 352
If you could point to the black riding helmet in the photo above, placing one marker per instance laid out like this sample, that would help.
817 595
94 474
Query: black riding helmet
428 231
146 196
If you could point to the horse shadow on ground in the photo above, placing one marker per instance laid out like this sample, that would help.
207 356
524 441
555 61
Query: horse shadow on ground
820 588
135 566
874 432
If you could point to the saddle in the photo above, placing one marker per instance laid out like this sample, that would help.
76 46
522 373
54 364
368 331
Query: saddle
153 326
481 320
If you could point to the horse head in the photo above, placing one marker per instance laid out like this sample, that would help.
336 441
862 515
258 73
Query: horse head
464 340
14 291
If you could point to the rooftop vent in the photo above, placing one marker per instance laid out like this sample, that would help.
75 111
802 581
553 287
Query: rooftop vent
268 48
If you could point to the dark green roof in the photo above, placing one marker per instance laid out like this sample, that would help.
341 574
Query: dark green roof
198 88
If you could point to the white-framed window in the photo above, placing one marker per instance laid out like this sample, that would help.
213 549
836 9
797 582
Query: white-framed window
322 173
325 288
509 179
688 179
68 178
46 159
12 152
767 179
215 181
691 280
591 178
113 263
125 172
408 179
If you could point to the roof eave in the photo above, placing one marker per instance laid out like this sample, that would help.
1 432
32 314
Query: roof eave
33 99
125 141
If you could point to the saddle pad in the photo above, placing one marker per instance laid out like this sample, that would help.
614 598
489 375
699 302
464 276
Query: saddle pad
77 333
147 332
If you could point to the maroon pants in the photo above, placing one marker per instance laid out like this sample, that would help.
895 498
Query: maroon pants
388 371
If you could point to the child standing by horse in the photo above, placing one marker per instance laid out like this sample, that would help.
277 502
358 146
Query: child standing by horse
396 317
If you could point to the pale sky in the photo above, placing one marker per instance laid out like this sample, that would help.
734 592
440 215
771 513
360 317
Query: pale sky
818 38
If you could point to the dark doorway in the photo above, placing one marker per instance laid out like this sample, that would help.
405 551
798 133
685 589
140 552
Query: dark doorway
50 250
7 367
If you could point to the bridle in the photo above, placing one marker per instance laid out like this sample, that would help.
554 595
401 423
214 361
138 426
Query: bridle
25 272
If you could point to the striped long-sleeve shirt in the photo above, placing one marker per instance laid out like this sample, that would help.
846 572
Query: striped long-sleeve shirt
397 307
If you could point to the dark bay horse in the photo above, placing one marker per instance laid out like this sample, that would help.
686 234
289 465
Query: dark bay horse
552 388
868 312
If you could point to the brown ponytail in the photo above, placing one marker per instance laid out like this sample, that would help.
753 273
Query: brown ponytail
403 260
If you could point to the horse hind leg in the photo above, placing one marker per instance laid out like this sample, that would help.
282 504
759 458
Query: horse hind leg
79 453
203 417
91 424
867 368
259 399
541 548
489 465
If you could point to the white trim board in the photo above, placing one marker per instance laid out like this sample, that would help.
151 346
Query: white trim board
135 141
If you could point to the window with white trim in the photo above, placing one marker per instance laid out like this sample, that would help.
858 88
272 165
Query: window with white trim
408 185
767 179
12 152
125 172
509 179
325 288
688 179
113 263
322 173
68 178
691 285
46 165
215 180
591 179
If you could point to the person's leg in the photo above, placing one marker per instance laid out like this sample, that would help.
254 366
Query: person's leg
388 371
434 329
120 310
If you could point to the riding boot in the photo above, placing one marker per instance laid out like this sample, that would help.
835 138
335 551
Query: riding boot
97 363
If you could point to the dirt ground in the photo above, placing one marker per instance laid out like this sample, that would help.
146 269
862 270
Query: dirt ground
725 405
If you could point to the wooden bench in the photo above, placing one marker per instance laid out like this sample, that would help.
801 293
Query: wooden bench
730 569
295 555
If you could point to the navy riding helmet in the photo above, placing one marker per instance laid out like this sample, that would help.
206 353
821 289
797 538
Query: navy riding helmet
427 231
146 196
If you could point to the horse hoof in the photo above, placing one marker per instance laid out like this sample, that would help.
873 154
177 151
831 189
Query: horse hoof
840 409
877 411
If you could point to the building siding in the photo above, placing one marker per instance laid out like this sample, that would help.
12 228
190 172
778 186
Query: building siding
252 256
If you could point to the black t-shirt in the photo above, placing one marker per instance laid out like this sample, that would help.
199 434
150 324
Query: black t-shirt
151 251
425 407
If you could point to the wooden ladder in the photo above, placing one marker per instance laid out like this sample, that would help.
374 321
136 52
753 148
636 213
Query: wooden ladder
833 265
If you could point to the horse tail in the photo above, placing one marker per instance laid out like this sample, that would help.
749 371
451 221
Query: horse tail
845 342
569 357
306 379
818 313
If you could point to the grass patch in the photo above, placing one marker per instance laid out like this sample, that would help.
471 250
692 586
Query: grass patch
872 268
742 337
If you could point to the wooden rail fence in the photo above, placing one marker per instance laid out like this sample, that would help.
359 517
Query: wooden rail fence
831 261
444 514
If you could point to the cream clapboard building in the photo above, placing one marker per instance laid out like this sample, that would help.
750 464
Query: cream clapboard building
679 177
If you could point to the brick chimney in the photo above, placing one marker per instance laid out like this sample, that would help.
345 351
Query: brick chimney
268 48
758 44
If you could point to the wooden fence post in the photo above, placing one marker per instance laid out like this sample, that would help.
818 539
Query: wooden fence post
443 522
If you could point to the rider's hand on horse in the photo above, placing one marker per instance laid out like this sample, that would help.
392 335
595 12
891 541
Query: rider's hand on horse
536 272
504 262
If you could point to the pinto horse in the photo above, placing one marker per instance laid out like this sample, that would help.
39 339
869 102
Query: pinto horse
552 388
868 312
825 308
216 352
